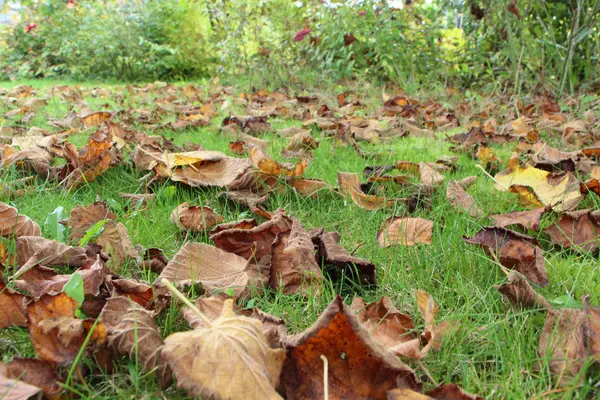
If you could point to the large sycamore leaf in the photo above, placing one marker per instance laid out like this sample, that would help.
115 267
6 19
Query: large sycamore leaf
37 373
294 268
405 231
541 188
133 331
12 309
35 250
513 250
202 168
365 370
14 224
214 269
228 360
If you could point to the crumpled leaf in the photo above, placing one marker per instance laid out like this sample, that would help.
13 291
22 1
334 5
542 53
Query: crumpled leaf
14 224
132 330
268 166
525 219
116 242
154 260
293 265
331 254
214 269
246 239
365 370
520 293
84 217
15 389
96 118
194 218
350 186
541 188
405 231
35 250
254 201
36 373
579 229
434 331
309 187
461 200
12 309
514 250
204 360
139 292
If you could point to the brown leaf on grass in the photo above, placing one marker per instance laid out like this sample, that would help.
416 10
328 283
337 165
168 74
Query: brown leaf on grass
214 269
405 231
84 217
309 187
246 239
202 168
541 188
12 309
549 159
272 327
473 137
434 332
350 186
13 224
365 370
204 360
96 118
388 327
302 140
268 166
525 219
238 147
254 201
593 314
37 373
293 265
133 331
461 200
154 260
139 292
116 242
39 281
449 391
15 389
428 172
34 159
35 250
339 262
140 198
514 251
55 334
91 162
520 293
194 218
579 229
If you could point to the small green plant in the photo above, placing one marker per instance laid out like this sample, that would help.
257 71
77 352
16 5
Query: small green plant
52 225
74 288
93 232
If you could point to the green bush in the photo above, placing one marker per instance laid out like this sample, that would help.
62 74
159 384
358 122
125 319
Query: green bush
146 40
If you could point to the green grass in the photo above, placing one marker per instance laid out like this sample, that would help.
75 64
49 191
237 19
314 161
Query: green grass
493 354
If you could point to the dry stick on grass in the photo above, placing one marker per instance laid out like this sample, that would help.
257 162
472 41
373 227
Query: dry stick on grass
325 377
207 322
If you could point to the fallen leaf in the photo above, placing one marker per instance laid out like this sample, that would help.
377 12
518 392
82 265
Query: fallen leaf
154 260
514 250
579 229
525 219
84 217
214 269
139 292
194 218
350 185
309 187
520 293
96 118
13 224
33 372
12 309
434 332
459 198
364 371
35 250
15 389
254 201
449 391
293 265
116 242
405 231
268 166
204 360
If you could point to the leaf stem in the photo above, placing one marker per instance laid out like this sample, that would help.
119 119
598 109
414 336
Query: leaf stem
325 377
207 322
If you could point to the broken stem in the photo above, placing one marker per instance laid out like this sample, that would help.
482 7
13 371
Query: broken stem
207 322
325 377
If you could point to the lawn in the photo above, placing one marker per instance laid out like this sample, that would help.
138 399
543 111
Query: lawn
494 353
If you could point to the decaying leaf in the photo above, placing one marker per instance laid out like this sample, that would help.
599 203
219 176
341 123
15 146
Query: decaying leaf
35 250
364 371
12 309
405 231
116 242
434 331
154 260
14 224
462 201
514 250
84 217
293 265
525 219
15 389
139 292
520 293
579 229
350 186
268 166
448 391
33 372
214 269
309 187
205 360
96 118
194 218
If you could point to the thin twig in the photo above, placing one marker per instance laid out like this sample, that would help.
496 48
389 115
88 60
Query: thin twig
207 322
491 177
325 377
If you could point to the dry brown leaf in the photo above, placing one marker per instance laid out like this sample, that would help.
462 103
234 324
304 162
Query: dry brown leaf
84 217
154 260
579 229
293 265
525 219
205 360
309 187
96 118
254 201
514 251
214 269
405 231
33 372
35 250
520 293
132 331
268 166
116 242
461 200
443 392
350 186
12 224
139 292
12 309
15 389
388 327
247 240
194 218
365 370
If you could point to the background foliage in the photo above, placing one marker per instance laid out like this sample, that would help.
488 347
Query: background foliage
507 44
